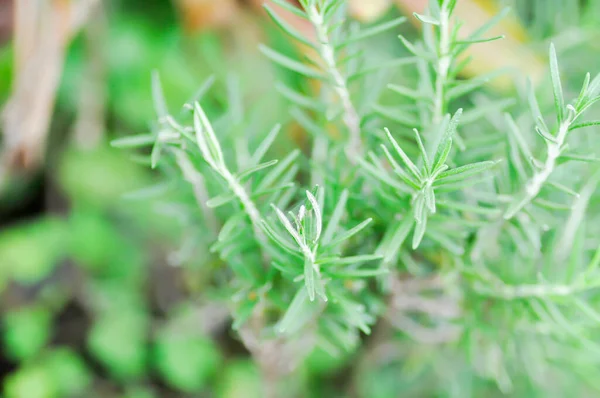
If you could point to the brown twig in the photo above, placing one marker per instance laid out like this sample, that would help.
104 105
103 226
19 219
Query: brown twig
41 35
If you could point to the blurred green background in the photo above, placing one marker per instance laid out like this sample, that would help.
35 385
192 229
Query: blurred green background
107 295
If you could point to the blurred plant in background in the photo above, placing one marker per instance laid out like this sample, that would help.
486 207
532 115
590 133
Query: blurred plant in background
120 281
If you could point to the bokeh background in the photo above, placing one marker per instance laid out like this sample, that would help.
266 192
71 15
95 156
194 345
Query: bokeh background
103 290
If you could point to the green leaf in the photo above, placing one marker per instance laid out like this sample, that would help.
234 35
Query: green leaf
26 331
248 172
207 140
186 360
418 52
400 171
546 204
383 177
349 260
419 232
299 312
200 93
278 171
335 219
429 198
463 172
579 158
158 97
134 141
117 340
150 192
398 236
372 31
545 135
350 233
299 99
33 381
405 159
460 206
29 252
584 124
465 87
280 240
423 152
69 372
563 188
240 378
485 27
482 110
220 200
534 106
286 27
559 102
426 19
446 242
445 144
476 41
408 92
392 64
288 226
359 273
265 144
310 278
518 136
291 64
400 117
290 8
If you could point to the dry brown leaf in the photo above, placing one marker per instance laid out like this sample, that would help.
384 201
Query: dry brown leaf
198 15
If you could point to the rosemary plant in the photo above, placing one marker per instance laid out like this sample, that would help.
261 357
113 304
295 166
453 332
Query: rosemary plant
459 225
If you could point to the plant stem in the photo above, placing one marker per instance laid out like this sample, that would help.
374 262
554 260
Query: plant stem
249 206
535 184
351 118
195 178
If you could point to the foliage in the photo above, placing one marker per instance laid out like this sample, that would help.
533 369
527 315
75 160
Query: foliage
421 235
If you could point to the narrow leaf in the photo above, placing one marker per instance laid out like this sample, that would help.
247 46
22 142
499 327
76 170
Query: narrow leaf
405 159
352 260
288 226
207 140
476 41
318 217
310 278
399 236
265 145
291 8
359 273
134 141
426 19
559 102
400 117
334 221
375 30
350 233
286 27
464 172
247 173
584 124
407 92
290 63
419 233
299 99
158 97
298 313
